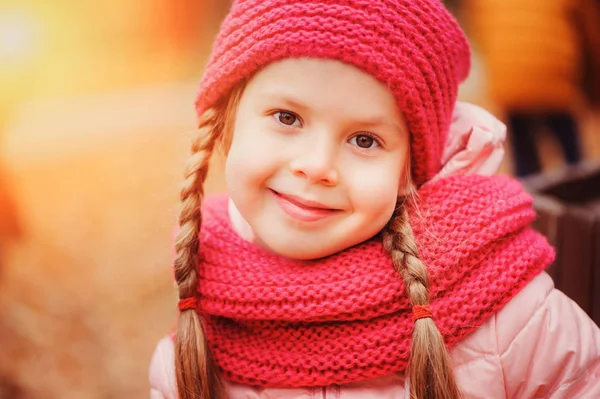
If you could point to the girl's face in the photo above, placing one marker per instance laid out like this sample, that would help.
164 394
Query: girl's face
320 153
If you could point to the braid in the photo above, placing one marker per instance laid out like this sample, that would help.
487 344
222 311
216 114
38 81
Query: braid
196 373
430 370
195 370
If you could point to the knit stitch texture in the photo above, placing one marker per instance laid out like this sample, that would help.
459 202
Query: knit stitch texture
273 321
415 48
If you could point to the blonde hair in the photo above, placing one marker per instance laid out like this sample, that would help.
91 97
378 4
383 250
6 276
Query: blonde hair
430 371
195 371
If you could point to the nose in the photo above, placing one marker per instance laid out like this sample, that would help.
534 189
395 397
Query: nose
317 163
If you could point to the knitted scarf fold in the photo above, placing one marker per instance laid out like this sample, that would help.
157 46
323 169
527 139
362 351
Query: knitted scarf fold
273 321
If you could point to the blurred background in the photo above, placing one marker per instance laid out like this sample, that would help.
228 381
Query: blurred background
96 116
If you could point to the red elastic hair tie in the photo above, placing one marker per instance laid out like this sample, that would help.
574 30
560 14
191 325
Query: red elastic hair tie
422 312
187 303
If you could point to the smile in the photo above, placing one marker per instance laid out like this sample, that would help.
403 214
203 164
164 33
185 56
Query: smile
303 210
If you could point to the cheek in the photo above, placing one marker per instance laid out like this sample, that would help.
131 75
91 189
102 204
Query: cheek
374 191
241 168
250 161
242 180
377 194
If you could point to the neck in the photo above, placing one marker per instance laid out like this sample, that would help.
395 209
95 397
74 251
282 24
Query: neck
239 224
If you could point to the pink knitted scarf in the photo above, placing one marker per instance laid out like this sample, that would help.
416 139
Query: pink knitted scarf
273 321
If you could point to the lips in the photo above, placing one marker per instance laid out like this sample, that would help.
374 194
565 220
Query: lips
302 209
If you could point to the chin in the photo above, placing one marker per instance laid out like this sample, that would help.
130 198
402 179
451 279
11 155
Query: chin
301 251
305 255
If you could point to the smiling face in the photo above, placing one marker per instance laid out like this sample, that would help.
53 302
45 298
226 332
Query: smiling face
320 153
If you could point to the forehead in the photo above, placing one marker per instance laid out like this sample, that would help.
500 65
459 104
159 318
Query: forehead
325 84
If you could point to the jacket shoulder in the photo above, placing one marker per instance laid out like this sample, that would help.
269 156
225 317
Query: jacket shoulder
548 346
518 312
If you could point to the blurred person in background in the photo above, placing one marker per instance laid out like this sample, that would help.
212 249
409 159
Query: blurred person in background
543 66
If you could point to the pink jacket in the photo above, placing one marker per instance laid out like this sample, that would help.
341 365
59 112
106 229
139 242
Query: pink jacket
540 345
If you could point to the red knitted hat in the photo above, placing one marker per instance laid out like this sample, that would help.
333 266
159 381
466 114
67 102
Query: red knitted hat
414 47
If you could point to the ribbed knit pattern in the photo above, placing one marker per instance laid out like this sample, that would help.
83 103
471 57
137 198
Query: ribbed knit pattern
415 48
273 321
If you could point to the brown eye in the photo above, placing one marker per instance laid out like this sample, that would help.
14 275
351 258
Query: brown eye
364 141
286 118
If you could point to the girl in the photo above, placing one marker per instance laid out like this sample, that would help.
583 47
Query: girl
362 235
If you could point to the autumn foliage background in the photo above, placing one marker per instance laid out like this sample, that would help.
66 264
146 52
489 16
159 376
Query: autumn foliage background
96 112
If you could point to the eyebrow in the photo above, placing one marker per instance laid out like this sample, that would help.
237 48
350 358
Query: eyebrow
367 122
379 121
286 99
